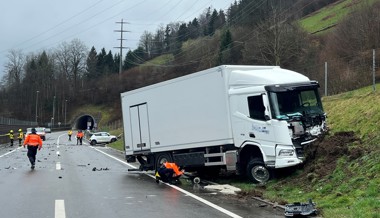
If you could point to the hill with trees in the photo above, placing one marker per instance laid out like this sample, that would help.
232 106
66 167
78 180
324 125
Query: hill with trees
265 32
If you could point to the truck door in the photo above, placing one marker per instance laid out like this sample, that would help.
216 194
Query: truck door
140 127
250 122
260 127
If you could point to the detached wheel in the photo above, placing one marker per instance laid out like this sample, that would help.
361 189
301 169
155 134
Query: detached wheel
162 158
257 172
93 142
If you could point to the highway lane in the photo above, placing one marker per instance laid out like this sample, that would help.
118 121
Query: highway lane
84 181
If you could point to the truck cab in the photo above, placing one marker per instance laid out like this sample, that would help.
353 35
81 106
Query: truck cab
274 123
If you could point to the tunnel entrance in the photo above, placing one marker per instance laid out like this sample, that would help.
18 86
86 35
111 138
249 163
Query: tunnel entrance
85 122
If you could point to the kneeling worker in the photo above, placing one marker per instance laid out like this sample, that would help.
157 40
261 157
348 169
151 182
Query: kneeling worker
34 142
168 172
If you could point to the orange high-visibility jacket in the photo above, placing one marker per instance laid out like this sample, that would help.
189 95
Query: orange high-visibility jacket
174 167
80 135
33 140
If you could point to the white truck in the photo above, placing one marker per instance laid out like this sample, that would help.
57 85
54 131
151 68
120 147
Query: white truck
246 119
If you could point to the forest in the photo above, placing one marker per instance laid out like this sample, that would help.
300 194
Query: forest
263 32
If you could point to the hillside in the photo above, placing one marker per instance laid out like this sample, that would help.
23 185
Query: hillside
329 16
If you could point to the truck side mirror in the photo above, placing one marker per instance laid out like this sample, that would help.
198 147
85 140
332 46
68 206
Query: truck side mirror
266 105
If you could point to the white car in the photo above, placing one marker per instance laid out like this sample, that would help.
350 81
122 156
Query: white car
102 137
39 130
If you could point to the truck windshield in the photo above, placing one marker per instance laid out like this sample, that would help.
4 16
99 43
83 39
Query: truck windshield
295 103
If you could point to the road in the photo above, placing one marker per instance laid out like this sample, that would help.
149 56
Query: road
77 181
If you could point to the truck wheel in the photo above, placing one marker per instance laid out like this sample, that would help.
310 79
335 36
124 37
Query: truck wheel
162 158
257 172
93 142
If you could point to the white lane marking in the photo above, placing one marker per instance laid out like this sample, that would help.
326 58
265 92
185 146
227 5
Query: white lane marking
10 152
229 213
60 209
59 138
58 166
113 157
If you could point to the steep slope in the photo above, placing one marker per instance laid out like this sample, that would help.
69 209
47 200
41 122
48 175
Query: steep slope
328 17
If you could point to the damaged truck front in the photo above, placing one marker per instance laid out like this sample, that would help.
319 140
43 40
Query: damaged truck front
246 119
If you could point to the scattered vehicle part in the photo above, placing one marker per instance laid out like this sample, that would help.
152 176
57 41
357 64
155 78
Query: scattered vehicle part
298 209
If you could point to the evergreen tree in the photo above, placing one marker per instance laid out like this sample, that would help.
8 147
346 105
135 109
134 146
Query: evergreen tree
92 60
225 48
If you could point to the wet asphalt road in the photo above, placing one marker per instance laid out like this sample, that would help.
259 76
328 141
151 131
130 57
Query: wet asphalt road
76 181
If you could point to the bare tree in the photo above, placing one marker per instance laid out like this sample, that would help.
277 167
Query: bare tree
71 60
14 68
348 49
276 41
146 42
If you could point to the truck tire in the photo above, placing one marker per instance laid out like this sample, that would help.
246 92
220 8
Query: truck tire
162 158
257 172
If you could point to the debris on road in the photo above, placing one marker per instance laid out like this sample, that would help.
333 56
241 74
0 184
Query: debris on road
226 189
300 209
95 169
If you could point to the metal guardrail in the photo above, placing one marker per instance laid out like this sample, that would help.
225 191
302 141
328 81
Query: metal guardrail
11 121
7 124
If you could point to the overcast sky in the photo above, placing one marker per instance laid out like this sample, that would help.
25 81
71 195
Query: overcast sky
36 25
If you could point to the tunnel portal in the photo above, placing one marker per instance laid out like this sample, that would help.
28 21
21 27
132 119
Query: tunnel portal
84 122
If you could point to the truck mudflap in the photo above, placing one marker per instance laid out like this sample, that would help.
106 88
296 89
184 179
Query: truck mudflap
298 209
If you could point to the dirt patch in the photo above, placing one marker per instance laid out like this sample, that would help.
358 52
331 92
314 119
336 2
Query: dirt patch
322 157
328 17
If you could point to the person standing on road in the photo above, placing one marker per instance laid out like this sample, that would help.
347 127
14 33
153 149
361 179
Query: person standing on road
20 136
34 142
79 137
70 133
11 136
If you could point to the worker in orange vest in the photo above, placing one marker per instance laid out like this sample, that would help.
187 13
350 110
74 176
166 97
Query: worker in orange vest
79 137
169 172
34 142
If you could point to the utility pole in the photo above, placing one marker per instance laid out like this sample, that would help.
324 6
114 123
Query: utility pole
52 123
121 43
325 78
37 106
374 70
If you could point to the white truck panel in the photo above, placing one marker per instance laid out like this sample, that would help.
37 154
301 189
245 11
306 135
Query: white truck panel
190 111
